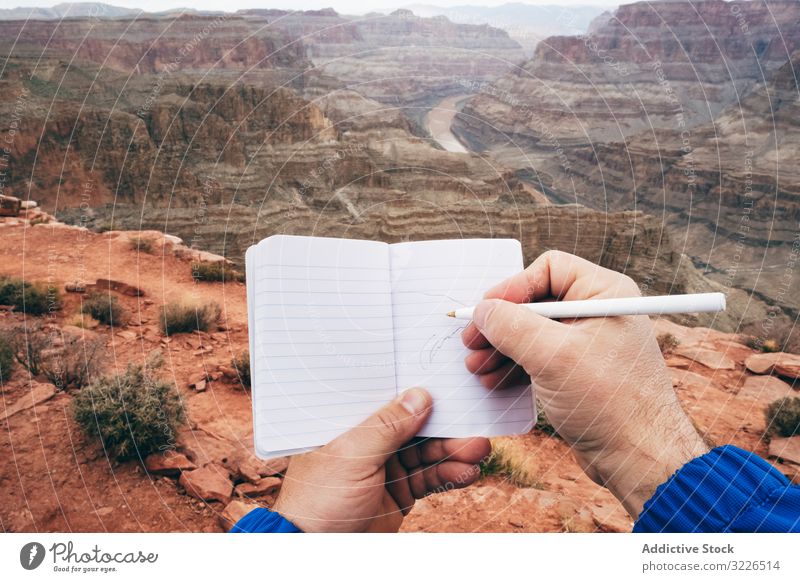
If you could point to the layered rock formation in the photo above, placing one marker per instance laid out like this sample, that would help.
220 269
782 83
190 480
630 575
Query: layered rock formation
686 111
397 58
148 44
729 189
652 65
227 156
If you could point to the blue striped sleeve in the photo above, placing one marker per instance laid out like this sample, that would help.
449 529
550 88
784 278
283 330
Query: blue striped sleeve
725 490
262 520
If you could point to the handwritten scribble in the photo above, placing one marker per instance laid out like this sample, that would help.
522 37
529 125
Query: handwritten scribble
434 344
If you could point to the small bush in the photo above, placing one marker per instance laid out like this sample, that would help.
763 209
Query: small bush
133 413
185 317
783 417
667 342
215 272
509 460
241 364
29 345
105 308
6 359
142 245
74 364
29 298
770 346
767 346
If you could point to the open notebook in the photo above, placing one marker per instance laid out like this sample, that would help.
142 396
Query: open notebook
339 327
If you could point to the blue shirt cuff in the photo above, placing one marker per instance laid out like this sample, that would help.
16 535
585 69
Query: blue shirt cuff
725 490
262 520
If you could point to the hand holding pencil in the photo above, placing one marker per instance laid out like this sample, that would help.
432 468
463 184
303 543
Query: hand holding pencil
601 381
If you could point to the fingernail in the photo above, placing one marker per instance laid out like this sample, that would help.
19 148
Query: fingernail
414 400
481 313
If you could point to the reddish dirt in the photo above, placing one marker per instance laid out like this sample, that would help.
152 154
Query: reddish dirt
54 478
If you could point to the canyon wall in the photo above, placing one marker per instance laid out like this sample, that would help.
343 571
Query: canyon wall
686 111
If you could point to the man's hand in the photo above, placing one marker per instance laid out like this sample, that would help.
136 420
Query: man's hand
368 478
602 381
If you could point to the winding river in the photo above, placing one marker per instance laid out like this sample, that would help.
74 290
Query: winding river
438 121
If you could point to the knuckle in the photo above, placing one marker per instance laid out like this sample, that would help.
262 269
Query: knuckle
391 422
553 254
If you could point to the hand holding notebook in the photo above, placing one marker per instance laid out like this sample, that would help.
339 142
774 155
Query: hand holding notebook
339 327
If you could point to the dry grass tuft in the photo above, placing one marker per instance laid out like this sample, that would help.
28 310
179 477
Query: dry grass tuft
512 462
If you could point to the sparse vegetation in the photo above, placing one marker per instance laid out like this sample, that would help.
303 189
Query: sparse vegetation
241 364
74 364
29 298
510 461
142 245
667 342
65 359
767 346
783 417
186 317
105 308
215 272
83 320
29 345
6 359
133 413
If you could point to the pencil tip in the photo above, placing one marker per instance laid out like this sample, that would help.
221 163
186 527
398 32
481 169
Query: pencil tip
451 314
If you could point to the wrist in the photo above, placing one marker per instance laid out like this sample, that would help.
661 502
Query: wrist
633 473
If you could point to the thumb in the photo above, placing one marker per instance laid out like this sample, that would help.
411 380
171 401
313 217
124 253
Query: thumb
382 434
513 330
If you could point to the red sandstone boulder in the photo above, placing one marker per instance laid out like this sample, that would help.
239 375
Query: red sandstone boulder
209 483
711 359
265 486
779 363
170 463
765 389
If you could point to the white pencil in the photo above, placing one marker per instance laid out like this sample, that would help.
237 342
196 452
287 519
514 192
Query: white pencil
654 305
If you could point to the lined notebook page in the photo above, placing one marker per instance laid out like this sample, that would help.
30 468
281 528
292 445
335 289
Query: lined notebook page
429 279
322 352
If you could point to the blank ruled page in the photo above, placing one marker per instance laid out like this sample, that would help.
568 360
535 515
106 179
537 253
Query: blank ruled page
322 347
429 279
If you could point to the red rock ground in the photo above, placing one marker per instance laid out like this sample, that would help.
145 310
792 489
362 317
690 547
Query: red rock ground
54 478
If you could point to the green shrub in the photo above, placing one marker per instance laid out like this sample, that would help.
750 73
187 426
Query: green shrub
186 317
133 413
214 272
667 342
29 298
783 417
105 308
6 359
241 364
